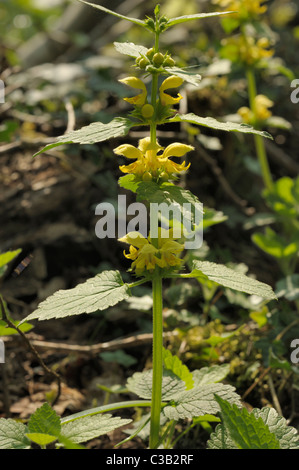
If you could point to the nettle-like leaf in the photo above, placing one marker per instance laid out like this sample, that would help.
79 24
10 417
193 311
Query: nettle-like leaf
44 425
130 49
182 199
182 402
227 277
200 401
218 125
175 365
141 384
209 375
258 429
90 427
98 293
93 133
13 435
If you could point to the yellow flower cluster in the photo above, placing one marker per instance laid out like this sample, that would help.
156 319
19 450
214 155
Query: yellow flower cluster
260 112
140 100
247 49
153 161
245 8
146 255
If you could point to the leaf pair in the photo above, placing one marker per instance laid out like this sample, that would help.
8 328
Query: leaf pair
45 427
259 429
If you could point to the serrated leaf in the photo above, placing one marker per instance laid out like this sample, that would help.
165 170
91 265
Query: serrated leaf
209 375
41 439
44 420
200 401
90 427
245 429
175 365
187 75
141 384
114 13
197 16
187 204
227 277
287 436
218 125
130 49
98 293
13 435
93 133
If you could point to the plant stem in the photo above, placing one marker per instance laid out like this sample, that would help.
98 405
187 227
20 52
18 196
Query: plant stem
259 142
157 361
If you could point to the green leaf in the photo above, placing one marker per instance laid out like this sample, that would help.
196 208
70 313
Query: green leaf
131 49
227 277
182 199
197 16
244 429
218 125
175 365
114 13
44 420
186 74
98 293
210 375
212 217
13 435
6 331
93 133
287 436
141 384
275 245
8 256
199 401
41 439
90 427
287 287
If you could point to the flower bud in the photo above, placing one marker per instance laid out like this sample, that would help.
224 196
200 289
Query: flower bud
147 111
158 59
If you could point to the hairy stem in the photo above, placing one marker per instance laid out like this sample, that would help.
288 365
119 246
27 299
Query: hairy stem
157 361
259 142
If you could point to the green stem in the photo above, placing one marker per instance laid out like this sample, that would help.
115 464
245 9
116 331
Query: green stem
259 142
157 361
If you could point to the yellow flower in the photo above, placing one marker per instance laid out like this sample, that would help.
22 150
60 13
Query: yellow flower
246 9
170 82
259 113
134 82
246 49
151 160
146 256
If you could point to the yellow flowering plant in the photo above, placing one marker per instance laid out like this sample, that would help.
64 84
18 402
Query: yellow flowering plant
170 390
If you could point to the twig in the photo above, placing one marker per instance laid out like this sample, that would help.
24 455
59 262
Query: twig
129 342
274 395
32 348
256 382
71 122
